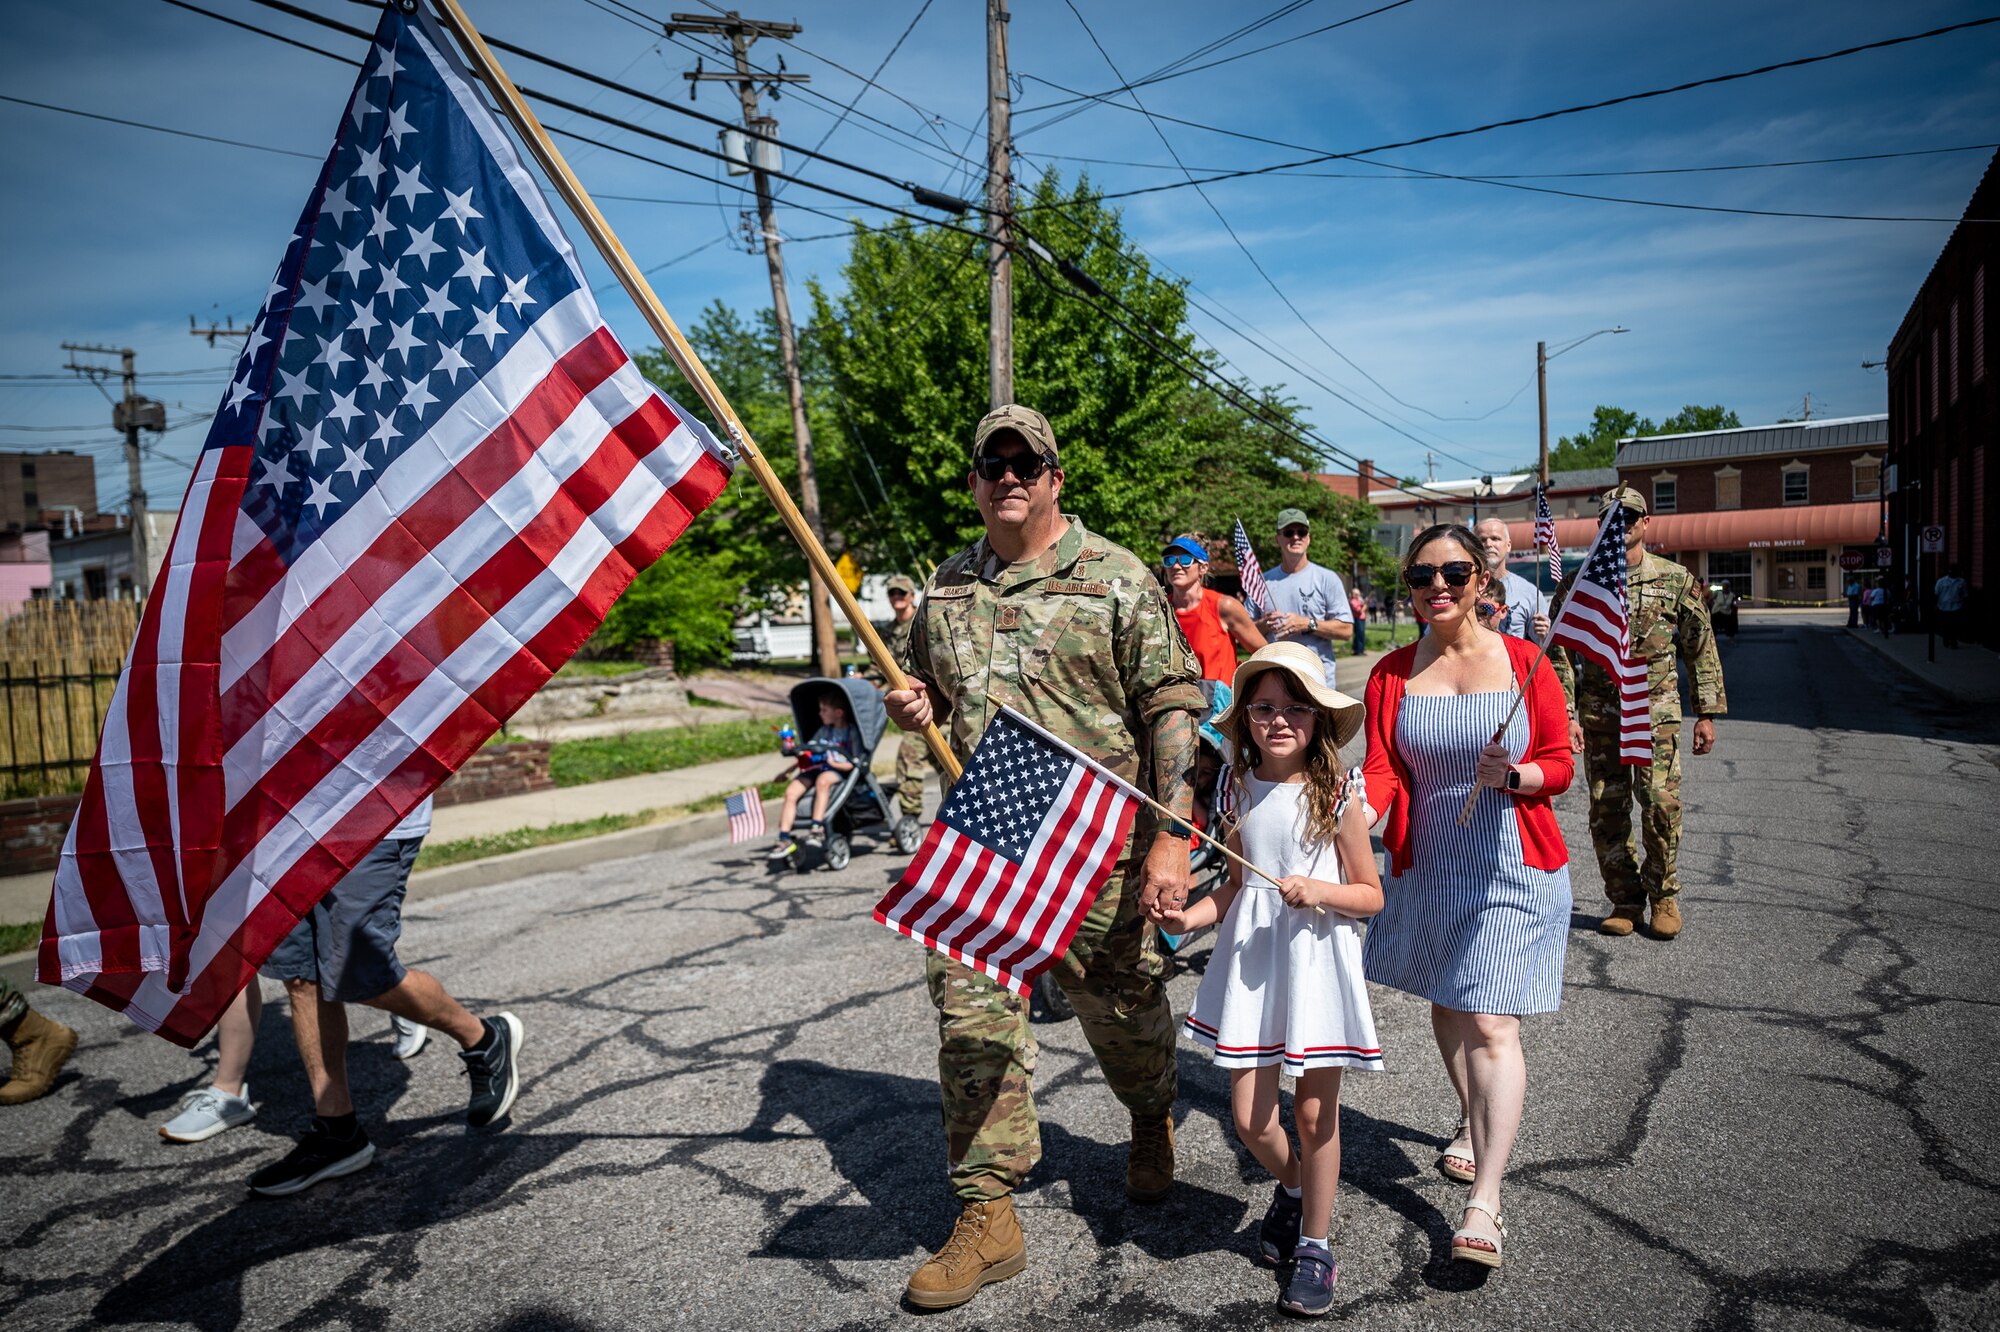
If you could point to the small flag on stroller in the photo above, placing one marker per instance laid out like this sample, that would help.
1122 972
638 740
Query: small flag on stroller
1019 851
746 816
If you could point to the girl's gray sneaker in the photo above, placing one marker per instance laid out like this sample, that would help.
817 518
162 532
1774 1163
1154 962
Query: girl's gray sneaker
207 1112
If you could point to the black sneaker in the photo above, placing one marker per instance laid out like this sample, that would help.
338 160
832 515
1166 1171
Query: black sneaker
318 1156
1279 1234
492 1066
1309 1290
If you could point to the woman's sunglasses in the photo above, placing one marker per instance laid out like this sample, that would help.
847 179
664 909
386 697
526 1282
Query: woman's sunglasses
1026 467
1180 559
1456 574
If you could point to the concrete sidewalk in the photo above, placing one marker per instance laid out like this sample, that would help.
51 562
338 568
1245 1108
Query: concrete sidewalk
1968 674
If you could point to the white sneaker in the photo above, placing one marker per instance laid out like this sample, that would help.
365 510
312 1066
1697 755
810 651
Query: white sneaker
207 1112
410 1036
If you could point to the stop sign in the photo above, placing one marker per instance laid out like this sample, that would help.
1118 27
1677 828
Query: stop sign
1850 559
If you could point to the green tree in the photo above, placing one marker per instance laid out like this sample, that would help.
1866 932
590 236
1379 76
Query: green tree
1597 444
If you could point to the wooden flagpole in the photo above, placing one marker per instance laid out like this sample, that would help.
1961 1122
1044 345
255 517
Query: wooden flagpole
481 57
1521 689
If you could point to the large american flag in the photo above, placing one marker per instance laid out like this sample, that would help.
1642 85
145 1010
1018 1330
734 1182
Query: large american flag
1250 575
1545 533
1019 851
1596 620
434 472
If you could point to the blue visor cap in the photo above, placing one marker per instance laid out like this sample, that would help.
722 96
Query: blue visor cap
1186 546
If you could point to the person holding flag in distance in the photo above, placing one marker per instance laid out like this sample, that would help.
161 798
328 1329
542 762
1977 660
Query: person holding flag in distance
1074 634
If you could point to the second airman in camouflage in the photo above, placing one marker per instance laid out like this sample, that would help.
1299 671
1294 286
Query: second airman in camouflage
1669 619
1074 632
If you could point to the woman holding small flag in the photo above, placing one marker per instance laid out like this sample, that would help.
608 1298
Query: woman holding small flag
1476 911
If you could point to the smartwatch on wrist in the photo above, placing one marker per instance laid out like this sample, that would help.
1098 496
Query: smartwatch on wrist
1513 779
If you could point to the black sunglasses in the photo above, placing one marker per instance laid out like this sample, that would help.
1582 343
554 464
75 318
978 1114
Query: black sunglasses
1025 466
1456 574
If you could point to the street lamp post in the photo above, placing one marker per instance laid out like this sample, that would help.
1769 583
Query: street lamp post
1542 358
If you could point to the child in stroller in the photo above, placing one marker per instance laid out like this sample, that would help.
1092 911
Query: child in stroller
822 761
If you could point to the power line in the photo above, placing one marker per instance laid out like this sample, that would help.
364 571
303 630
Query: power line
848 110
157 129
1551 115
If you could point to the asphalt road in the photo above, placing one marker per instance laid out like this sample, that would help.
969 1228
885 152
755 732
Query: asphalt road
730 1114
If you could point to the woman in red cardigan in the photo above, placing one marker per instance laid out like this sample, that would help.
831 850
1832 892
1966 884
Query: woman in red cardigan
1476 917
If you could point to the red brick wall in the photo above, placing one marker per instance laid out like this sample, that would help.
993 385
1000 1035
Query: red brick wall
499 770
1831 480
32 832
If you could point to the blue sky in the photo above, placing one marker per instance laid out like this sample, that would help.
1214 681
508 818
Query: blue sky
1438 289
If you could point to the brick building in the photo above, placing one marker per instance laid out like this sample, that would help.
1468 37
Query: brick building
1943 415
32 484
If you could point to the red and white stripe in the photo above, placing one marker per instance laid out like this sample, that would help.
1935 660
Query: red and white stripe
1596 622
1011 921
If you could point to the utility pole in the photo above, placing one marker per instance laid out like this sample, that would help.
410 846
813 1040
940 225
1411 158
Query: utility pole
999 205
741 32
128 416
227 329
1542 392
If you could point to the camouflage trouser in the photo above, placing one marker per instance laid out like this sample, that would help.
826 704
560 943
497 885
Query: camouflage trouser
1113 973
13 1006
1612 786
913 760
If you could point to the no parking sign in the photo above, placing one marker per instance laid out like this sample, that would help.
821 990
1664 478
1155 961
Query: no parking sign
1933 539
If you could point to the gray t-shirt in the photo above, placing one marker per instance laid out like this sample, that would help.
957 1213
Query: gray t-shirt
1524 603
1315 591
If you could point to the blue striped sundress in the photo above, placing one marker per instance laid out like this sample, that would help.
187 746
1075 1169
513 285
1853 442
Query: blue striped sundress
1470 926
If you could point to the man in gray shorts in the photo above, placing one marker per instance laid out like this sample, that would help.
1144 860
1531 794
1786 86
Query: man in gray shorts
344 952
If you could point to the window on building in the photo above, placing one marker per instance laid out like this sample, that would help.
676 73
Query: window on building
94 584
1728 489
1951 337
1731 567
32 500
1798 483
1867 477
1664 488
1800 569
1816 578
1934 374
27 470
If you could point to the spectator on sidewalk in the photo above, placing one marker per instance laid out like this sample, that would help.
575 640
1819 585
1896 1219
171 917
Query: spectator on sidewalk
1308 601
1949 598
913 757
344 951
1854 593
1360 610
1216 625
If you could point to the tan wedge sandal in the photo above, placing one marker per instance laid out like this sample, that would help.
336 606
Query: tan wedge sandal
1474 1243
1457 1162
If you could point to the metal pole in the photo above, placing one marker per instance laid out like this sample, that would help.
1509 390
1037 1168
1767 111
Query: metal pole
1542 393
675 344
1000 284
136 484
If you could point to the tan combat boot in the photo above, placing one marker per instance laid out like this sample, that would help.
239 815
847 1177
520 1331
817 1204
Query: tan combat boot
40 1047
985 1246
1149 1164
1666 922
1622 921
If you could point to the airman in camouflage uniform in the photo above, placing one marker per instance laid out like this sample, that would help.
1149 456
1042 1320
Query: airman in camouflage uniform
39 1045
1669 618
1078 638
913 759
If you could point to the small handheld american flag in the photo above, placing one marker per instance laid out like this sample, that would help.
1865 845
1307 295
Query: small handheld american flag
1596 620
1256 595
1545 533
1019 851
746 816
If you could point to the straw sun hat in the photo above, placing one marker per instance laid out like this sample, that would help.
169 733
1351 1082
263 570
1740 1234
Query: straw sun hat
1308 673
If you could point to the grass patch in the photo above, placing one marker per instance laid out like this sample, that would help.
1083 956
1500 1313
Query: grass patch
436 854
697 701
603 757
597 670
16 938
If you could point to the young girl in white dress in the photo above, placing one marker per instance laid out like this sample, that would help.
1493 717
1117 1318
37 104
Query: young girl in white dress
1284 988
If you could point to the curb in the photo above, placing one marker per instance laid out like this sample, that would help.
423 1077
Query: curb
1880 649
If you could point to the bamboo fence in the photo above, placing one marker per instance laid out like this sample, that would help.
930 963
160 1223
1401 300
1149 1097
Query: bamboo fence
59 662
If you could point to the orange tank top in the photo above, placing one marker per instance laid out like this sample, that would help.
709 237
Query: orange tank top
1212 645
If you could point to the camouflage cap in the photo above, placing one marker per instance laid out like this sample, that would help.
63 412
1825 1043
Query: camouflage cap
1026 422
1622 495
901 583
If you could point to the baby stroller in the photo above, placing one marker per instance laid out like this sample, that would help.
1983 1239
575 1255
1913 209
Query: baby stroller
857 803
